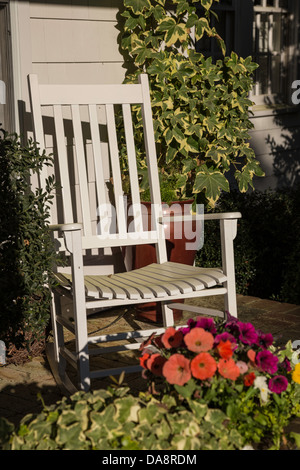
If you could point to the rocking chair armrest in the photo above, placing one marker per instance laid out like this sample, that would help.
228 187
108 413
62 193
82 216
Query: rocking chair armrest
223 216
180 218
195 217
66 227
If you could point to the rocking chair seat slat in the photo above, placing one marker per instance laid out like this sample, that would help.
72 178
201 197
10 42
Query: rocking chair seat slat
150 282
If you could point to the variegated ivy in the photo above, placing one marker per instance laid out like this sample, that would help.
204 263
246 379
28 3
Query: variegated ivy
200 108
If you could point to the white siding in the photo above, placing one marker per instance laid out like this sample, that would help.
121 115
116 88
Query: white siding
276 142
76 41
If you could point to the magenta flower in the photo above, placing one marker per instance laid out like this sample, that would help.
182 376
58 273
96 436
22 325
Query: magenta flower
232 322
231 318
264 339
224 337
267 361
286 365
248 333
191 323
278 384
207 324
184 330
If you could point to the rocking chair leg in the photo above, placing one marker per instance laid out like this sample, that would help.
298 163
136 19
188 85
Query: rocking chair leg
74 240
167 314
228 230
58 336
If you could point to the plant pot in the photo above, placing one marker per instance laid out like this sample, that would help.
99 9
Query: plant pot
178 236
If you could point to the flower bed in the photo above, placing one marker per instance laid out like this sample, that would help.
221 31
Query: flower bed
231 366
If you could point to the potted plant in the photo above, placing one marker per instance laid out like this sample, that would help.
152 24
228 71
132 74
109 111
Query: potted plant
229 365
200 108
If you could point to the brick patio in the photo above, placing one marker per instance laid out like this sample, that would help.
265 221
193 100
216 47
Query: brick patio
20 385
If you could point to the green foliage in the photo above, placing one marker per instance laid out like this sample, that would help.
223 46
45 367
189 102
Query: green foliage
26 251
114 419
267 238
200 108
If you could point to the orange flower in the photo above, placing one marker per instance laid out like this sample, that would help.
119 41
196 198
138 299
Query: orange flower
155 364
172 338
228 369
143 360
176 370
225 349
203 366
199 340
251 355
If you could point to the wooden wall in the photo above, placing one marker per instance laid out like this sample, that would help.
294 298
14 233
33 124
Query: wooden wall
76 41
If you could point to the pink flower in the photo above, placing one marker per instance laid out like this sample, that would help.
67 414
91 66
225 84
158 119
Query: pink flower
177 370
242 366
267 361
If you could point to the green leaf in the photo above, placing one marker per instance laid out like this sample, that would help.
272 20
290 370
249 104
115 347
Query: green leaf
206 4
214 154
137 6
178 134
173 31
140 50
212 182
199 409
171 153
194 145
296 437
186 390
244 179
189 164
192 20
201 27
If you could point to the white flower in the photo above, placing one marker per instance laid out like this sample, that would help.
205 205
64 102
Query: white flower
261 383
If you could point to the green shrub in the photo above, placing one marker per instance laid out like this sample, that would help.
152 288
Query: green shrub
267 246
114 419
26 252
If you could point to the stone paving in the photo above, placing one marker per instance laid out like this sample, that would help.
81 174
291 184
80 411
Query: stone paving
21 386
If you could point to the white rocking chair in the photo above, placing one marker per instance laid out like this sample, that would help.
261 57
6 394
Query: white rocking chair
84 170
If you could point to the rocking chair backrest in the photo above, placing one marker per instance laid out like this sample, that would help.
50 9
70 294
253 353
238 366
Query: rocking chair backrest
91 178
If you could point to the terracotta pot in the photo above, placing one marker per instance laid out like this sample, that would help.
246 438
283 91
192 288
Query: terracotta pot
176 240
